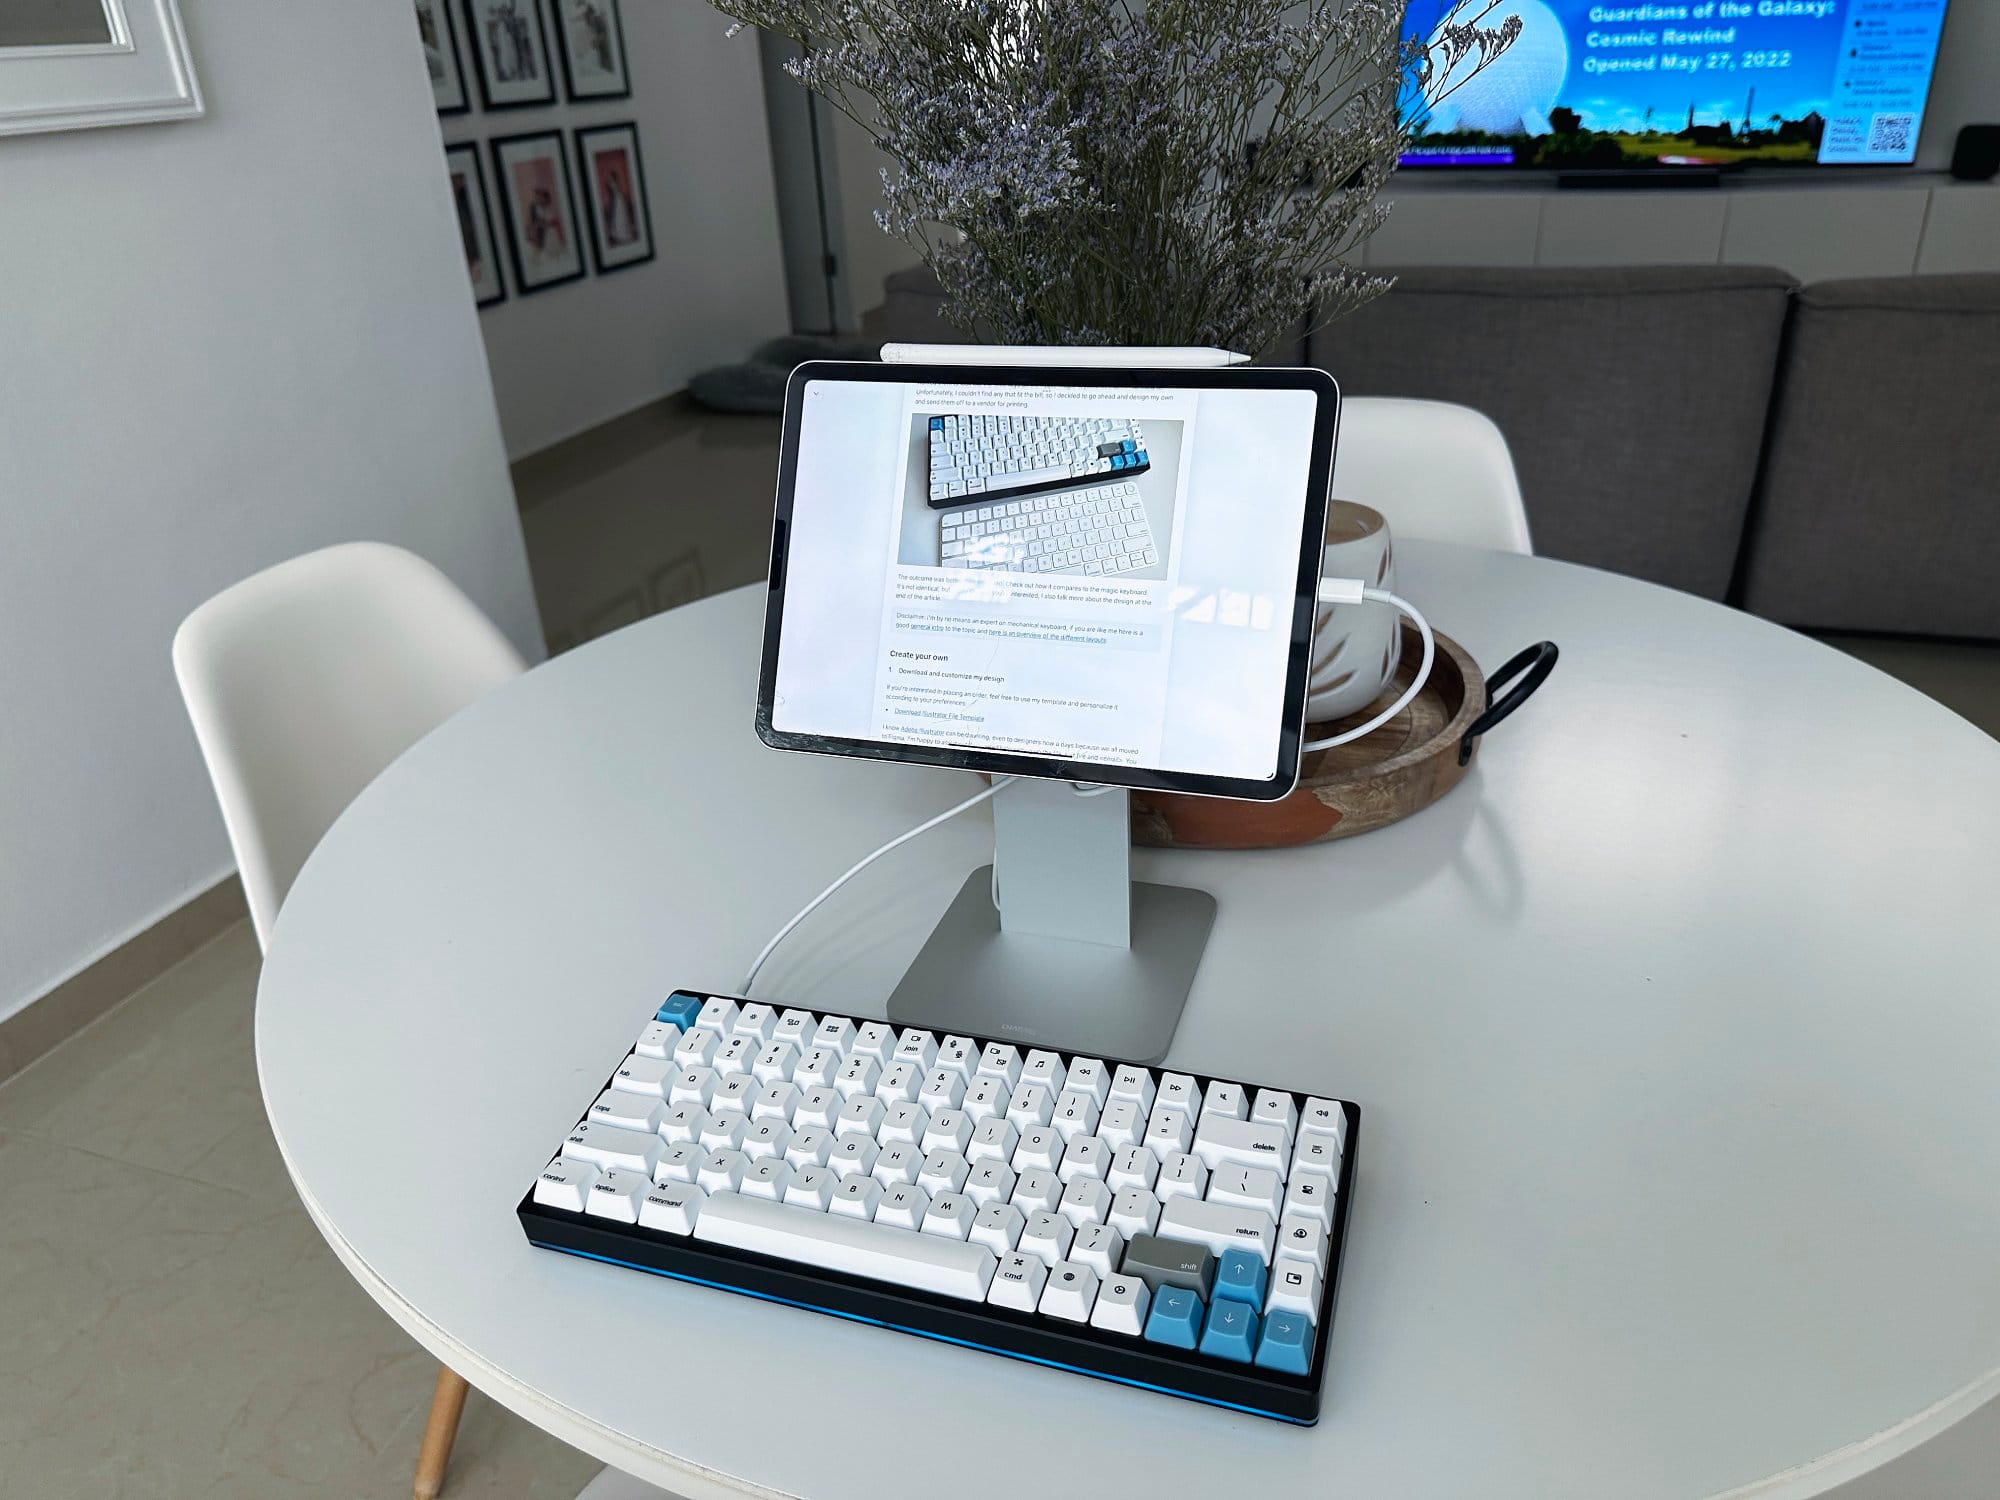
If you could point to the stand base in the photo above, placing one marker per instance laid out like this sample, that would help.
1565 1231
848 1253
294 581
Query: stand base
1110 1002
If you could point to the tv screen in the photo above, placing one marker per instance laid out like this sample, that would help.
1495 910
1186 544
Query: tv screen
1706 83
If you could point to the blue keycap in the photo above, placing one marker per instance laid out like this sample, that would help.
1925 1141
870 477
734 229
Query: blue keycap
1122 461
937 424
1239 1276
1287 1344
1231 1332
1175 1318
1138 458
680 1010
1129 445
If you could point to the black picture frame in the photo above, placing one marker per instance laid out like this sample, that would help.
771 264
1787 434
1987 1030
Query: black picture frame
587 182
580 95
511 213
488 100
468 151
454 60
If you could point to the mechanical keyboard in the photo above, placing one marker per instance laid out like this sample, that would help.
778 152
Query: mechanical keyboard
1098 531
1161 1229
1001 457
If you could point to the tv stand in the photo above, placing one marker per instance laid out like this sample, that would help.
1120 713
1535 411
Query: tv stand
1078 956
1666 179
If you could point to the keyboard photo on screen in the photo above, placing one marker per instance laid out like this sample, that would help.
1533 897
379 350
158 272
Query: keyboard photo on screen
1100 531
1161 1229
975 459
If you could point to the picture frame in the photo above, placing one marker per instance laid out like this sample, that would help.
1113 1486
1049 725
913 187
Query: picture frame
78 64
591 34
474 211
538 209
510 52
616 206
441 57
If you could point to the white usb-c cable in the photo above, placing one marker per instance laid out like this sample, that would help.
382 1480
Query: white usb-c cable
1353 591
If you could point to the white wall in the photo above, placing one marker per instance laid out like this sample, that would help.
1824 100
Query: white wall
572 356
869 254
227 341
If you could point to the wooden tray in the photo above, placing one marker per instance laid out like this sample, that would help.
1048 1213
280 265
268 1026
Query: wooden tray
1405 765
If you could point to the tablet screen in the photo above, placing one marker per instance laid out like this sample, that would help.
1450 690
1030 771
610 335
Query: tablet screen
1099 571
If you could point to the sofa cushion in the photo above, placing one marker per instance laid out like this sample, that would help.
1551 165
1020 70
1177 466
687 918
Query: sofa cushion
1880 506
1634 399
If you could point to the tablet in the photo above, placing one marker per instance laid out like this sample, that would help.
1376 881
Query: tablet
1098 575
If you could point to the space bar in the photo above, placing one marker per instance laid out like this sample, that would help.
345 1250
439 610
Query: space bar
881 1252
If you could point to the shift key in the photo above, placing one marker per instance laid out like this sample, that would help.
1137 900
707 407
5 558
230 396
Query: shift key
1159 1262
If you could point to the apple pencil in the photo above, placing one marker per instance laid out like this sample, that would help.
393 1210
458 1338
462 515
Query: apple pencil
1164 358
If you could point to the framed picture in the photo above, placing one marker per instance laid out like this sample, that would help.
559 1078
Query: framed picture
539 210
441 57
614 191
511 51
68 64
475 224
592 34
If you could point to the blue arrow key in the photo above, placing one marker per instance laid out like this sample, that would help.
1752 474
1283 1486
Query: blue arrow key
937 424
1129 445
1175 1318
1239 1276
1138 458
1231 1332
1287 1343
680 1009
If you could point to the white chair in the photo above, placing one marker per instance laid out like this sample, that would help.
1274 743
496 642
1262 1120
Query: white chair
1434 470
304 681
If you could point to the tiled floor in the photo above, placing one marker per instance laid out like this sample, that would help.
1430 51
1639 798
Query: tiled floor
170 1322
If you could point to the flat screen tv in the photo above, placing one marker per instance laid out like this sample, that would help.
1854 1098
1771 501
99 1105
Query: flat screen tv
1685 83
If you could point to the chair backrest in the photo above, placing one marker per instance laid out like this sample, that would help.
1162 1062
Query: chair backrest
305 680
1434 470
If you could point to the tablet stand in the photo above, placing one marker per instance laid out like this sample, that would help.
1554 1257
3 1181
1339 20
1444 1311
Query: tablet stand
1074 955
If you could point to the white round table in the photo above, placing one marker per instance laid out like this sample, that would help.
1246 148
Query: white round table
1674 1031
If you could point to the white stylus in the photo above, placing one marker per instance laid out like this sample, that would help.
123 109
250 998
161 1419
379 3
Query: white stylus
1056 354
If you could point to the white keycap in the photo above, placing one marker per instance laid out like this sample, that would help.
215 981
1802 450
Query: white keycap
1316 1153
756 1020
1018 1282
724 1131
998 1227
816 1068
1075 1115
683 1122
1089 1076
861 1115
767 1138
1048 1237
1000 1061
1071 1290
608 1147
721 1171
950 1128
1041 1149
897 1164
623 1111
858 1075
1224 1101
1217 1226
818 1109
658 1039
1325 1117
1168 1130
993 1140
1310 1194
1181 1175
776 1063
834 1033
881 1252
1178 1091
775 1101
718 1015
644 1075
1037 1192
1133 1083
943 1171
738 1092
919 1047
1085 1200
1245 1142
811 1187
903 1124
943 1088
1122 1303
1247 1187
1133 1211
679 1162
987 1099
950 1215
767 1179
1301 1238
857 1197
1294 1288
1085 1156
1032 1104
873 1040
565 1184
697 1047
694 1086
990 1182
1275 1107
671 1207
899 1081
1046 1068
736 1054
1098 1246
958 1053
809 1148
851 1155
796 1027
1133 1167
1121 1124
903 1206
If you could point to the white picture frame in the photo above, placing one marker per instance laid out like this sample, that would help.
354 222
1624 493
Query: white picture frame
140 72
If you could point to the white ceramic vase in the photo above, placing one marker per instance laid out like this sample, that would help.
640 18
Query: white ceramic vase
1356 647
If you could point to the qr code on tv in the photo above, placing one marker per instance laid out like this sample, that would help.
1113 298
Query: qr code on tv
1891 134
